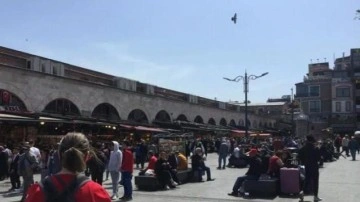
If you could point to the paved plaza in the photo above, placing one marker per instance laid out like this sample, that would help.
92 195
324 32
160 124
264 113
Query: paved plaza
339 181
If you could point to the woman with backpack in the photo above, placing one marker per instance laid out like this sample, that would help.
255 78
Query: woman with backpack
69 184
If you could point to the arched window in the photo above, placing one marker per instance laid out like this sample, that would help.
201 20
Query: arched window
212 121
63 107
10 102
105 111
223 122
162 116
138 115
198 119
232 123
182 117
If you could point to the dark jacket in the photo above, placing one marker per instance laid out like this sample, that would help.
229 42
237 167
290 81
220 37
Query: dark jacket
172 161
309 155
161 165
255 168
197 161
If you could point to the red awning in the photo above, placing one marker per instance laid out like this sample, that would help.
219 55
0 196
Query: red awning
143 128
260 135
126 126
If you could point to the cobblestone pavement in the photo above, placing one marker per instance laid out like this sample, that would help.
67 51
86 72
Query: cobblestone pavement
339 181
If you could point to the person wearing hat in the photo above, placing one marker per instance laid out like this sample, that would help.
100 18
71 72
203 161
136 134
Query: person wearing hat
309 156
253 172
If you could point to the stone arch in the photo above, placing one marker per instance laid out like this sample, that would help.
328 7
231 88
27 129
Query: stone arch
11 102
223 122
241 122
182 117
265 125
62 106
255 124
212 121
163 116
260 124
138 115
19 92
77 100
232 123
198 119
270 125
105 111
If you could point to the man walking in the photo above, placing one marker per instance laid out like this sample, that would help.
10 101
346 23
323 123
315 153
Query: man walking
353 147
223 153
309 156
127 169
115 162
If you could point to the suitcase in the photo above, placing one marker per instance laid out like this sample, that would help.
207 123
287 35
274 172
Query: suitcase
290 180
262 188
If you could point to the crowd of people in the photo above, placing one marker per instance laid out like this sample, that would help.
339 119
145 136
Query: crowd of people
74 159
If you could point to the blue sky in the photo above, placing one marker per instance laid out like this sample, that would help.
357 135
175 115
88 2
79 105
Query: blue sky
187 45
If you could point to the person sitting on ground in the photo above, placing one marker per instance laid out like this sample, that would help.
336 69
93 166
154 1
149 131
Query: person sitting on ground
162 171
275 163
254 172
74 148
198 165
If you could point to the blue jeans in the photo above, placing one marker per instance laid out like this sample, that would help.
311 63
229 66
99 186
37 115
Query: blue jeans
240 180
126 180
222 157
115 175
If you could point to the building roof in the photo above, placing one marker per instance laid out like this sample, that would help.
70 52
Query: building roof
260 104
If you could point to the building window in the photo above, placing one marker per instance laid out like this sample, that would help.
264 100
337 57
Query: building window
314 90
314 106
338 106
43 68
55 72
348 106
343 92
28 64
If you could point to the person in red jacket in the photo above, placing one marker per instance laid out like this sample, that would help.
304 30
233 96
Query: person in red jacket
73 150
127 169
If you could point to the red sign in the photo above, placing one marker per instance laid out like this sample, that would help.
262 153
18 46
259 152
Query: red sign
5 97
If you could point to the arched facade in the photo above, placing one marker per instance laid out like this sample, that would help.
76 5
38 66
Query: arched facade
62 106
212 121
11 102
163 116
139 116
232 123
199 119
182 117
223 122
106 111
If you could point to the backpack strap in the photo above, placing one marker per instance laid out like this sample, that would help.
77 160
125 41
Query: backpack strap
51 192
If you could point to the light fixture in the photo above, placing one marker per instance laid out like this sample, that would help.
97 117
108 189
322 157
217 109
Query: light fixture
42 123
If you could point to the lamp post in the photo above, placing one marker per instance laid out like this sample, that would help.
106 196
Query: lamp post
246 78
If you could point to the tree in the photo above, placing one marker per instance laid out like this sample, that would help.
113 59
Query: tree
357 17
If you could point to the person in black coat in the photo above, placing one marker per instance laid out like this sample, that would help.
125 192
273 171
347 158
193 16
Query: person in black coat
162 171
309 156
14 176
198 165
173 166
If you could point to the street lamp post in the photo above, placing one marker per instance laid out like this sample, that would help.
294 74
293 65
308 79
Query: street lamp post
246 80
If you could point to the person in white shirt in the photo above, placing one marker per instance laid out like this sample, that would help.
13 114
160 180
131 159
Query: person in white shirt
35 151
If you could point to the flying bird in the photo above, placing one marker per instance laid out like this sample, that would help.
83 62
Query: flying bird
234 18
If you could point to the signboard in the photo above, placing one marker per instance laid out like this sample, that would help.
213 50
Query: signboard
171 146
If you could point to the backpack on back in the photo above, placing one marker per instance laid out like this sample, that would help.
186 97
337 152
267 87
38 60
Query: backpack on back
68 192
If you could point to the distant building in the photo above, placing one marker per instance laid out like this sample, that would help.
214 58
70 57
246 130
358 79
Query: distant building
330 98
